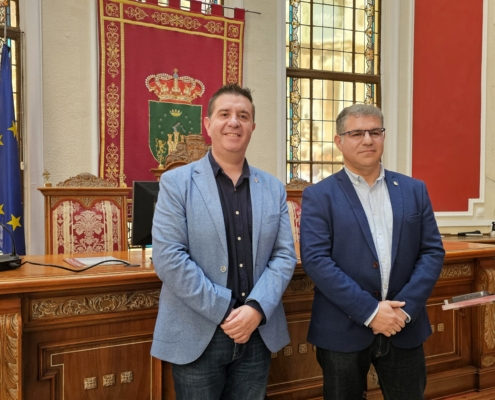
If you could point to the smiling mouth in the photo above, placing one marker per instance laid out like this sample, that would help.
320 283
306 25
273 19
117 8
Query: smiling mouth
232 134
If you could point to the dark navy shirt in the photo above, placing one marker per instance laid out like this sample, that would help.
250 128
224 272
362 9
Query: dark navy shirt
237 215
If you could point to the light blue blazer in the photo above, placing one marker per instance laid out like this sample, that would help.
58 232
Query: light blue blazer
190 257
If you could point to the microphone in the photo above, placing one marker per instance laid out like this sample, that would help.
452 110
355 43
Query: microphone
13 261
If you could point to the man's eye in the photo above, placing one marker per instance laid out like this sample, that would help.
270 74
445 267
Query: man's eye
356 134
375 132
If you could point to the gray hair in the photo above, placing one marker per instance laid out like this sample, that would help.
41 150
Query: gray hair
357 110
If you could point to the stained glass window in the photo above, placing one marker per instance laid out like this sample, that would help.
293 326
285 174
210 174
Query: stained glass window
332 60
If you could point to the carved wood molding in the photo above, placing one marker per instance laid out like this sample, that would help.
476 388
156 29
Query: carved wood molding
87 200
10 343
297 184
63 307
486 281
487 361
85 179
456 271
300 285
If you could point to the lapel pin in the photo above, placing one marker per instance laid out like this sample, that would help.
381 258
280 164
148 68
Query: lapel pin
256 180
396 183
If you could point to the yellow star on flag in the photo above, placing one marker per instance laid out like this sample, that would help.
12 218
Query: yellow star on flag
13 128
15 222
1 209
1 144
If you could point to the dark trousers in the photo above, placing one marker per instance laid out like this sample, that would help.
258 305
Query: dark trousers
225 370
401 372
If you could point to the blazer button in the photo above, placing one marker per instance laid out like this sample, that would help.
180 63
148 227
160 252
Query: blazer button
376 293
375 265
223 268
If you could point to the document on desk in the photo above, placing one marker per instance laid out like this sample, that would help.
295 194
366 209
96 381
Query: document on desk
87 261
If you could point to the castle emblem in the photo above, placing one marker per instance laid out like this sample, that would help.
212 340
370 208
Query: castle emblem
173 116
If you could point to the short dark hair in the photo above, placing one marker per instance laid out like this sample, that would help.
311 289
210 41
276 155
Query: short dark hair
357 110
231 88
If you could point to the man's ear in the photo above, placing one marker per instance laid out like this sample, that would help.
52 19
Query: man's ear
338 141
206 122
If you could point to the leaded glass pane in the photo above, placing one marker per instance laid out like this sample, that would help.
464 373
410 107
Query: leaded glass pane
344 38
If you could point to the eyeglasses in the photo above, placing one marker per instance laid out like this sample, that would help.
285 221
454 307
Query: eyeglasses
376 133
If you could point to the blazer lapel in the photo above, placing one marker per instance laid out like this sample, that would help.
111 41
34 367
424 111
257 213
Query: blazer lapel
256 189
349 191
205 182
395 194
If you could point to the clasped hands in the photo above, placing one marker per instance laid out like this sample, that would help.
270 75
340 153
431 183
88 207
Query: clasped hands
389 319
241 322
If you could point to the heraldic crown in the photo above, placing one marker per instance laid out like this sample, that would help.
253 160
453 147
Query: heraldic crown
173 88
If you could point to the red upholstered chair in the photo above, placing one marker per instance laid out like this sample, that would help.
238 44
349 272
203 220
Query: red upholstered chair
85 214
294 197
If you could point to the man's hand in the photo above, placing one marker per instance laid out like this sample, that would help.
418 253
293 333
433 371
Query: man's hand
241 322
390 319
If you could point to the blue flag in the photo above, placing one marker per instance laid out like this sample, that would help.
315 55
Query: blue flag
11 212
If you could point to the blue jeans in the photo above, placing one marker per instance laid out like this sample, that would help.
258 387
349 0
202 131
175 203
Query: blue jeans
225 370
401 372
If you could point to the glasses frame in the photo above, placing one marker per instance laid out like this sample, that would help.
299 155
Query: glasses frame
382 130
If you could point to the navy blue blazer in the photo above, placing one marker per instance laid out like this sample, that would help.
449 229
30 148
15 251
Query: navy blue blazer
339 255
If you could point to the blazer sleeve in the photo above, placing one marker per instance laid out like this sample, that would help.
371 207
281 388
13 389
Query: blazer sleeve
277 272
317 237
181 275
429 259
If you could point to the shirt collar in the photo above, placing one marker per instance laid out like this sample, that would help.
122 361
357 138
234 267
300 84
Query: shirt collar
217 169
358 179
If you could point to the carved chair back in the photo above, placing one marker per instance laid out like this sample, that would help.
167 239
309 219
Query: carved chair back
85 214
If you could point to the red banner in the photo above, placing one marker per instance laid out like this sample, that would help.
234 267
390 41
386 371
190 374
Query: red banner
153 60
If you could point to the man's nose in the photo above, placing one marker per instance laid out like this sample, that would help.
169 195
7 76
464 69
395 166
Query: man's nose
233 121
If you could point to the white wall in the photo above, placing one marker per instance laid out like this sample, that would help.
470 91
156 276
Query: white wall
62 97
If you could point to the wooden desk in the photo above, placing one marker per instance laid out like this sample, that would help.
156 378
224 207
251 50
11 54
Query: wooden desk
69 336
460 354
61 331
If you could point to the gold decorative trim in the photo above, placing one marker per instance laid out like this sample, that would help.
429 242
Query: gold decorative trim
126 377
487 361
9 356
232 63
456 271
301 285
287 351
85 179
86 201
113 110
136 13
97 304
90 383
233 31
112 163
303 348
112 10
109 380
176 20
214 27
113 50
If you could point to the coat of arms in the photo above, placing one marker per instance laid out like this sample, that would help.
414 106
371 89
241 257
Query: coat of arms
173 117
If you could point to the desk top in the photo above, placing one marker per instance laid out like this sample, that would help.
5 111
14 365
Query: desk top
35 278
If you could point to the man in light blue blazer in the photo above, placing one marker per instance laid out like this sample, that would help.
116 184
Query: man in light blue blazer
370 243
222 245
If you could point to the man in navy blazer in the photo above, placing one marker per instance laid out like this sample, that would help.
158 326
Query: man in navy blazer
223 247
370 243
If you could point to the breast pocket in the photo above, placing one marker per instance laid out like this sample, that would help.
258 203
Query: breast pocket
413 217
272 218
